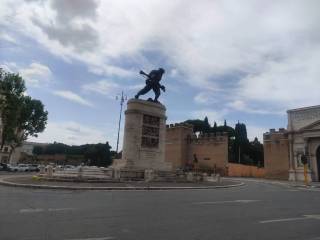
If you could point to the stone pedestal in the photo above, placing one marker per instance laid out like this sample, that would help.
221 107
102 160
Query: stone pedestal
42 169
148 175
116 174
144 136
50 171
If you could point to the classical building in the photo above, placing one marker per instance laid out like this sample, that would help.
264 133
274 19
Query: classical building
283 149
304 138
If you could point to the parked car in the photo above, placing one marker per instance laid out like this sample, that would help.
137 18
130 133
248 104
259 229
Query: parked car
20 168
4 167
33 168
69 167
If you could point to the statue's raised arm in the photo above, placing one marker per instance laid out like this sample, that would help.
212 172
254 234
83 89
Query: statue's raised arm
152 82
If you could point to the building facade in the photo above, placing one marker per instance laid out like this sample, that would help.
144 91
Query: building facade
304 138
283 149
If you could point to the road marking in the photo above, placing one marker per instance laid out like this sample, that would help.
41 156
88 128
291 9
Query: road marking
305 217
222 202
103 238
31 210
310 189
37 210
59 209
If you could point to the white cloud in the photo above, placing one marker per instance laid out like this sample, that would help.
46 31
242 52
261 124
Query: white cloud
205 98
255 131
289 83
71 132
104 87
9 66
241 106
7 37
36 74
213 116
109 88
269 43
73 97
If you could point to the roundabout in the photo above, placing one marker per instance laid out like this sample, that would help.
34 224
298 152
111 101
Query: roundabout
30 181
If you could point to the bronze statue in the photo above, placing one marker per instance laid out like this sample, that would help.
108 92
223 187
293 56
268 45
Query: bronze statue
152 82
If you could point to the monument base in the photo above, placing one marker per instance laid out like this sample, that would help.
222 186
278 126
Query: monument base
144 136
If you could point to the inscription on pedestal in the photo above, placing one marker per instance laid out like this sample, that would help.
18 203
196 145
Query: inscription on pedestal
150 131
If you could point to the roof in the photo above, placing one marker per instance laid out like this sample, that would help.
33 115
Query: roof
303 108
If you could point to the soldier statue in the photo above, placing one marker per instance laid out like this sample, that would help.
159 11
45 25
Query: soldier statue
152 82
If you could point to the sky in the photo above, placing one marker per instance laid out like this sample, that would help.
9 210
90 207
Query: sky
246 61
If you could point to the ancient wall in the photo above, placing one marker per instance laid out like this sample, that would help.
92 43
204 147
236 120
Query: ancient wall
276 154
177 145
240 170
207 152
210 150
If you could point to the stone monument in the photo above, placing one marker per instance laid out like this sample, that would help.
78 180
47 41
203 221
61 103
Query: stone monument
145 128
144 136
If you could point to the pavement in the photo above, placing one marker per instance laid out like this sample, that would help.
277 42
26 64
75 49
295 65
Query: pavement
256 210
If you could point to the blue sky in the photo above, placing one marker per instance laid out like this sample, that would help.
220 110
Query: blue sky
248 61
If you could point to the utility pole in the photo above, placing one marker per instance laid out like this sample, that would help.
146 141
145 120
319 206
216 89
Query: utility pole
122 99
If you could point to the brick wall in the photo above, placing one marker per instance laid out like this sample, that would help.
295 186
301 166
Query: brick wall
240 170
182 147
176 144
211 152
276 154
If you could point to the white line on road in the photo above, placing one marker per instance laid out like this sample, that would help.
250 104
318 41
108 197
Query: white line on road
59 209
31 210
37 210
103 238
305 217
231 201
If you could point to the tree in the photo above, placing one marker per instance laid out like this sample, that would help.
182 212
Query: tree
241 140
206 125
33 118
198 125
21 115
98 154
12 88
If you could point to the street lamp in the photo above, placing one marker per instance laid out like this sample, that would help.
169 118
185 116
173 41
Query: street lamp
122 98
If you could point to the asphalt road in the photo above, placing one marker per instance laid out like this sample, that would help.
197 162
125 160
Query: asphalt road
255 211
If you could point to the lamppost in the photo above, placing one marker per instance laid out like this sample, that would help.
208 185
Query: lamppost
122 98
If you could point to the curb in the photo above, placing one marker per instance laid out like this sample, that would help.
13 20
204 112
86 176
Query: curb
275 182
2 182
